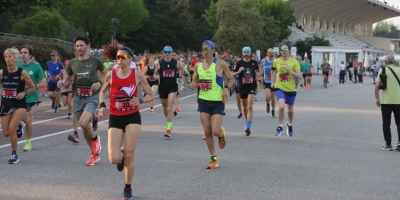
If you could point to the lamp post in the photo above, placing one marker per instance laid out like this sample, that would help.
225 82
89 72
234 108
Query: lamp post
113 29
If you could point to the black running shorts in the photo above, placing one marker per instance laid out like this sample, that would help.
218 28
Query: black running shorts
120 122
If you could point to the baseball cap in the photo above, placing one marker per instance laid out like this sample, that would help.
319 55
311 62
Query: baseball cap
168 49
226 54
53 53
209 43
248 49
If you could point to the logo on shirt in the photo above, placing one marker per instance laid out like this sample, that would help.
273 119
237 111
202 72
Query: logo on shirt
30 72
82 75
129 91
248 72
89 65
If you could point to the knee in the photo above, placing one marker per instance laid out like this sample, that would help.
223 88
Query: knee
169 109
129 159
28 119
208 130
290 110
10 131
6 133
83 123
250 107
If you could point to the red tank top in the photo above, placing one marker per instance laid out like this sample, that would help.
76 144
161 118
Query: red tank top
122 91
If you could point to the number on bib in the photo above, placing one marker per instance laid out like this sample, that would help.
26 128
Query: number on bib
205 84
247 80
81 91
268 76
123 104
53 78
9 93
284 77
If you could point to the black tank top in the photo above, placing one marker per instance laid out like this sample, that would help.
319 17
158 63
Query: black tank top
12 86
168 73
150 72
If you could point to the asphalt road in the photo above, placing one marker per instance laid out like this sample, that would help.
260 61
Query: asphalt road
335 154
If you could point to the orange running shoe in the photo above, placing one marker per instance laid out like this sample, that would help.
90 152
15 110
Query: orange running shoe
93 159
213 163
222 141
167 133
96 146
204 137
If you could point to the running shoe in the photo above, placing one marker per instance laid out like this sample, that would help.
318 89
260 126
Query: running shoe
289 130
222 141
93 159
398 146
13 159
69 116
255 98
52 104
20 129
121 165
279 131
74 138
213 163
59 107
267 109
175 113
151 109
387 147
273 113
240 115
177 109
203 137
56 110
247 132
127 194
96 146
27 146
167 133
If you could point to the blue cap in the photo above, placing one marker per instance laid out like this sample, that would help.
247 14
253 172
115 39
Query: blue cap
209 43
168 48
246 49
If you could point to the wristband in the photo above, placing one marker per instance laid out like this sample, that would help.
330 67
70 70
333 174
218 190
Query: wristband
141 100
103 105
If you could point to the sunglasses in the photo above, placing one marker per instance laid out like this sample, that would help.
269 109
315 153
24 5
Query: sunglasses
206 49
123 57
167 51
284 49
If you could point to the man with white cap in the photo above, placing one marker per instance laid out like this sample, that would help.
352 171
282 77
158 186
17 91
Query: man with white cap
247 70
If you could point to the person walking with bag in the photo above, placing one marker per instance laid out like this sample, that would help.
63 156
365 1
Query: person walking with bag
388 81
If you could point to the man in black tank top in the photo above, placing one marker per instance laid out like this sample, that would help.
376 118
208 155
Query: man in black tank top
13 103
168 88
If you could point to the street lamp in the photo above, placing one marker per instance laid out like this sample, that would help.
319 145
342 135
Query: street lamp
113 29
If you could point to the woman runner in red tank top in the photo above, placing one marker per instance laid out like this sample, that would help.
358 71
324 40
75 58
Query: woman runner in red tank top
124 111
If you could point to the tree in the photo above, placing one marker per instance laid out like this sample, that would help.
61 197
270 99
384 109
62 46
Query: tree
191 9
42 22
94 16
304 46
386 29
211 14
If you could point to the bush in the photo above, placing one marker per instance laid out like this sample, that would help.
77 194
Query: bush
41 50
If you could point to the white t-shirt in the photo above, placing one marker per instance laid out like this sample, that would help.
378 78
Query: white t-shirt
133 66
342 67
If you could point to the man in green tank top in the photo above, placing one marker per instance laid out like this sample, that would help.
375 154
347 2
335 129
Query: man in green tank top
208 77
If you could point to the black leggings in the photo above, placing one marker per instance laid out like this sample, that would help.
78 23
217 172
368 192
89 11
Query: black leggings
387 110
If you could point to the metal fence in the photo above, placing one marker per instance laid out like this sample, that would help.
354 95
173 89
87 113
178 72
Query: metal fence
63 43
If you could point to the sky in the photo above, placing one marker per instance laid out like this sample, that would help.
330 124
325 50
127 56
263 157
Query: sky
395 20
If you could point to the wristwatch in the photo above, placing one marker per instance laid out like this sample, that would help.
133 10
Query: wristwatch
141 100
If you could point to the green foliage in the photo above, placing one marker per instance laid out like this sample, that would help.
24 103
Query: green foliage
387 30
94 16
211 14
42 22
191 9
41 50
304 46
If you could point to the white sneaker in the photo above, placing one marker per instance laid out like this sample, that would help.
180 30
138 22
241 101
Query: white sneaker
255 98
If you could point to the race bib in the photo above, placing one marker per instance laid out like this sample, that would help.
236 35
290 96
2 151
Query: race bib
53 78
205 84
268 76
247 80
236 83
168 73
9 93
306 71
84 91
151 78
284 77
68 87
123 104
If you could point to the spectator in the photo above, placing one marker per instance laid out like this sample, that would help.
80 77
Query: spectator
390 101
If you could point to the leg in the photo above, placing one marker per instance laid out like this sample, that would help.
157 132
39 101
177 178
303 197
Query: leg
84 123
386 120
154 88
250 102
164 103
290 114
28 121
238 103
273 100
15 117
69 102
244 106
75 123
115 139
56 98
267 92
205 119
281 114
170 102
65 100
396 112
131 138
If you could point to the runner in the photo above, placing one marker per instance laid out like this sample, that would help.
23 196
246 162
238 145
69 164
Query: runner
152 79
87 84
326 67
266 65
307 74
13 103
208 76
166 69
186 75
37 75
246 69
66 91
284 70
53 69
124 114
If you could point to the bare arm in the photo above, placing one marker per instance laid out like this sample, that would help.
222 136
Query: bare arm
157 68
181 68
297 74
106 87
378 101
146 87
195 78
28 81
227 73
42 83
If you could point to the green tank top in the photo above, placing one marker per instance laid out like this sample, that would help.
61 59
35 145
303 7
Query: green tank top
305 66
186 69
211 85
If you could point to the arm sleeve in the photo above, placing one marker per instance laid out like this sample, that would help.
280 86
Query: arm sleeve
41 74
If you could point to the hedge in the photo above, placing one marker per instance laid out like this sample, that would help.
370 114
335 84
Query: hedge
41 50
